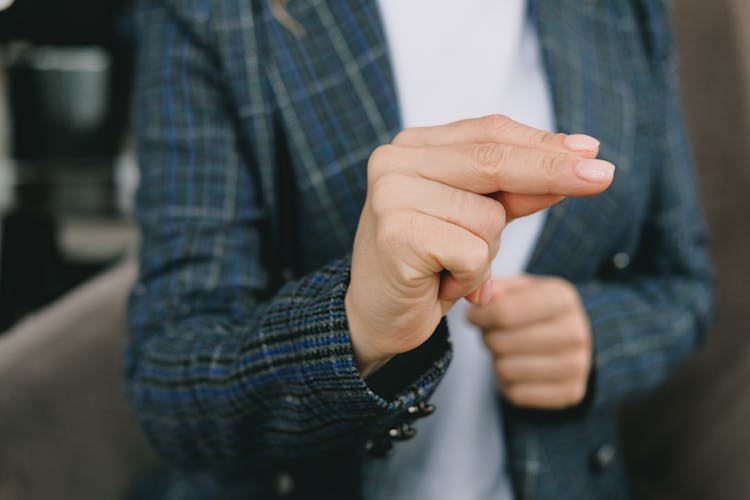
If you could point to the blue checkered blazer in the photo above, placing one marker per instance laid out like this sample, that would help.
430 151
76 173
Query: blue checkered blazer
253 145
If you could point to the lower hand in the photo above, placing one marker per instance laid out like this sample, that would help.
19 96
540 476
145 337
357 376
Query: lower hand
539 335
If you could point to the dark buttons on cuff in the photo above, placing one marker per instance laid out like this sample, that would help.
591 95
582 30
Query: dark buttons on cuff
621 260
379 446
284 484
402 432
382 444
287 274
421 410
603 457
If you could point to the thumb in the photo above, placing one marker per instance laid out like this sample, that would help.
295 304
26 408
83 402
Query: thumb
521 205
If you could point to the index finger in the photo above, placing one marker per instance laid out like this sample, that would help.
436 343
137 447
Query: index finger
498 128
491 168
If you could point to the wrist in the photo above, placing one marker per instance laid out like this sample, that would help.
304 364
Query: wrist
367 359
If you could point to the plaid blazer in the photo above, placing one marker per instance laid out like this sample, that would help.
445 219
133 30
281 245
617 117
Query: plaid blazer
253 144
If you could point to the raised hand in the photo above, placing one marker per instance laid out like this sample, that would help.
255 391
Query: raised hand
438 199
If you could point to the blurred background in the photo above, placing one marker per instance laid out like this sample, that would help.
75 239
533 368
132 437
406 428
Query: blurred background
66 169
67 175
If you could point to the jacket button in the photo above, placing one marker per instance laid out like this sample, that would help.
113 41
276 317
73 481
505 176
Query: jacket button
284 484
287 274
621 260
602 457
379 446
402 432
421 410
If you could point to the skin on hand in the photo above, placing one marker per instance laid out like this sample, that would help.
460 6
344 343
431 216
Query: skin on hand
539 335
438 199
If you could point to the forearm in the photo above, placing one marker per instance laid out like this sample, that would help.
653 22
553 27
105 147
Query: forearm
279 381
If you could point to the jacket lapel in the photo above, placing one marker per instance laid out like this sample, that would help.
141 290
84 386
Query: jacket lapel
336 97
344 59
590 95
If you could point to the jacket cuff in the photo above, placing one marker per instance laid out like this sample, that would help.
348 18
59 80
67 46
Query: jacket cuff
405 381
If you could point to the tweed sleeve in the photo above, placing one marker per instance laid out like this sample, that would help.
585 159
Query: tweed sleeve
217 366
654 316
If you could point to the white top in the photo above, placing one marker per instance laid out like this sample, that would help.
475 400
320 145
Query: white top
454 60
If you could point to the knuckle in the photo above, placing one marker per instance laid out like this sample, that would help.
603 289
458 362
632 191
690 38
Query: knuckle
499 345
573 298
495 218
381 161
513 394
379 199
486 157
384 193
498 211
486 214
549 171
551 139
385 235
579 336
575 393
503 372
403 137
490 221
579 364
495 122
568 395
553 167
505 346
551 283
568 291
565 293
477 257
573 336
490 341
405 274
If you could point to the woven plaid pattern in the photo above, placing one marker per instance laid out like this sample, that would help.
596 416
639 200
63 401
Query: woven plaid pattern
253 146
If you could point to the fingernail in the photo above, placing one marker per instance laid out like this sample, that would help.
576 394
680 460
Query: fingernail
485 294
580 142
595 170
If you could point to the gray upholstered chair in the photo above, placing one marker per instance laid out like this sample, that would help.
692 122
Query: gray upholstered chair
65 430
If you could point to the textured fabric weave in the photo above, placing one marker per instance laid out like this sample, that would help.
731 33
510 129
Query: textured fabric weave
253 147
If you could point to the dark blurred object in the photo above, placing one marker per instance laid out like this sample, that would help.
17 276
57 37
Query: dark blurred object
63 22
60 103
34 269
78 45
68 69
689 441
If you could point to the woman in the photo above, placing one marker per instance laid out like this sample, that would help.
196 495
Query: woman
294 271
